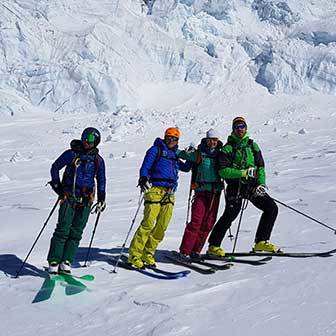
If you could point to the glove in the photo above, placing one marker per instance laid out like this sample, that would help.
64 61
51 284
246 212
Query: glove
101 205
144 183
250 173
191 148
261 190
57 187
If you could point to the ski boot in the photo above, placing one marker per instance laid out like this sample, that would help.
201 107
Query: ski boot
195 256
265 246
135 262
65 267
148 259
216 251
183 257
53 267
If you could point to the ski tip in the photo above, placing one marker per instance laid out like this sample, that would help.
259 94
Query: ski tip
87 277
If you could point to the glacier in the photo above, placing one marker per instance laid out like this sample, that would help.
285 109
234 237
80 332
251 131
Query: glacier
69 56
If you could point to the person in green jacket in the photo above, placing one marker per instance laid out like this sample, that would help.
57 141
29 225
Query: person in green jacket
242 166
207 186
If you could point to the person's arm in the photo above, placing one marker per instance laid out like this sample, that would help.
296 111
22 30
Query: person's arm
187 155
101 181
184 166
148 161
62 161
260 164
225 165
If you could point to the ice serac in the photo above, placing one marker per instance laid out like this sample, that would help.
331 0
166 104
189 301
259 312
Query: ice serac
70 56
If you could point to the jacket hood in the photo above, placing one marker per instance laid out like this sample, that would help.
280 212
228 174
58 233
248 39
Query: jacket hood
77 146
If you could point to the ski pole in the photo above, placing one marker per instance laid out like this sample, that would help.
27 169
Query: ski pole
93 233
230 236
244 206
303 214
189 202
141 198
37 238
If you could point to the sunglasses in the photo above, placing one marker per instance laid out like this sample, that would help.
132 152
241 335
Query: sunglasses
171 138
239 126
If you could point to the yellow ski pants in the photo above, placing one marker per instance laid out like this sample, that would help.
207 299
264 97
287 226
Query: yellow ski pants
159 204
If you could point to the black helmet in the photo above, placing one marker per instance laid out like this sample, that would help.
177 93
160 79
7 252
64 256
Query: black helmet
90 135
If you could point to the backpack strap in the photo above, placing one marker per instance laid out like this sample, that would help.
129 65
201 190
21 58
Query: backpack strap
158 155
194 168
249 144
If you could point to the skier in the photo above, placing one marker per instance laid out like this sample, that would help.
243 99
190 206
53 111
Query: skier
242 166
76 191
207 186
158 180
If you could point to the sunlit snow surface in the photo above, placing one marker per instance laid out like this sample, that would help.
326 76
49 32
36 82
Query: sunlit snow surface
65 65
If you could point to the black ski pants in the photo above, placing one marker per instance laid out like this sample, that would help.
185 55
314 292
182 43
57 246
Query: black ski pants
232 209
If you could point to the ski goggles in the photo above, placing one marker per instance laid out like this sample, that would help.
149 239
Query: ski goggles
239 126
90 138
171 139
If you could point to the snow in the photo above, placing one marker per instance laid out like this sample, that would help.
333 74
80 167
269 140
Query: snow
195 64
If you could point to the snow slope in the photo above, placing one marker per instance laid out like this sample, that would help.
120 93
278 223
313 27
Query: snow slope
193 63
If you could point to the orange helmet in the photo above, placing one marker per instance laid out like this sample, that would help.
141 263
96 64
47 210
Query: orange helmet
173 131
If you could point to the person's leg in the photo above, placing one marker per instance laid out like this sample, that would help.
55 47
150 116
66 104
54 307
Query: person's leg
151 212
268 217
198 211
231 212
163 219
75 235
208 222
65 217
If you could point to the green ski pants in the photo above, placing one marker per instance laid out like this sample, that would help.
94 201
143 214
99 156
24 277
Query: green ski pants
158 211
68 232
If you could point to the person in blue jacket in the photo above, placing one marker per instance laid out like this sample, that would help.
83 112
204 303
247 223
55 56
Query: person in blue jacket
158 181
83 165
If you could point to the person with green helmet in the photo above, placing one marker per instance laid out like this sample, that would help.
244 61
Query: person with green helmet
242 166
83 165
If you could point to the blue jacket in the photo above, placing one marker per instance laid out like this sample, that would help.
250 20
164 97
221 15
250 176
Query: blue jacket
161 165
91 165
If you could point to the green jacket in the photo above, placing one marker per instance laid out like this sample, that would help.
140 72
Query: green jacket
205 167
239 154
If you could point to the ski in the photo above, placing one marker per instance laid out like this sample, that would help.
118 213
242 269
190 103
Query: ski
221 267
179 274
85 277
233 259
176 259
153 272
71 283
47 288
284 254
73 286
